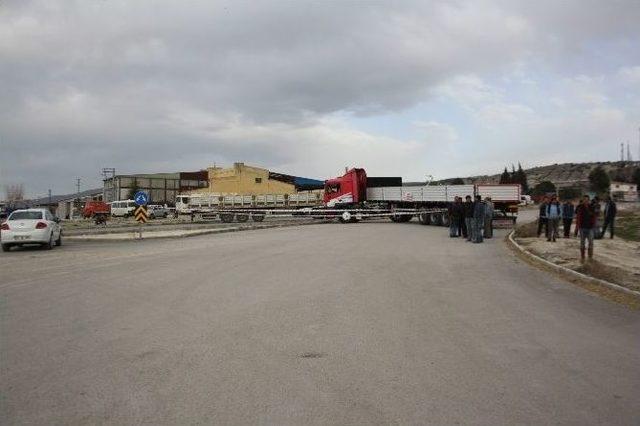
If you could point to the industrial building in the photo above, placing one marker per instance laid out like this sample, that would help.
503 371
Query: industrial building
243 179
161 187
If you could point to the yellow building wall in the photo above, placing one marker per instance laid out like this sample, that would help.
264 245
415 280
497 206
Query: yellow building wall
241 179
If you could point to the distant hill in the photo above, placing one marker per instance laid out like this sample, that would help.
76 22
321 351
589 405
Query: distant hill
564 175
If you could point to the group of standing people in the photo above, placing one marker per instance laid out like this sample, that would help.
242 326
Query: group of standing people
471 219
588 216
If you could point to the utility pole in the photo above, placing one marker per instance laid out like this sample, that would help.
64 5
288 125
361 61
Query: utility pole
628 152
78 186
49 199
622 152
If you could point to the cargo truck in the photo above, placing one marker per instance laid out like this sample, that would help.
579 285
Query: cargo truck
353 197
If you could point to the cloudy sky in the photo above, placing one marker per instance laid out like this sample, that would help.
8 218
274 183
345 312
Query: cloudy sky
399 88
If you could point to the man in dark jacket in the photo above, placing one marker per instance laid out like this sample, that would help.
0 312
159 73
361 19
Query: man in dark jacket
542 217
568 211
468 217
585 224
455 217
595 204
610 210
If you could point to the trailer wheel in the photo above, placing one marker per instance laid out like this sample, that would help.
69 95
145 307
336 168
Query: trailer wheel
257 217
445 219
424 218
433 220
226 217
242 217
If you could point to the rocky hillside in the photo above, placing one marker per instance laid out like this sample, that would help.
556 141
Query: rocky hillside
566 174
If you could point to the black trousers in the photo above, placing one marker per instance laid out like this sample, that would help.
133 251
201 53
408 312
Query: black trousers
543 222
566 224
608 223
463 226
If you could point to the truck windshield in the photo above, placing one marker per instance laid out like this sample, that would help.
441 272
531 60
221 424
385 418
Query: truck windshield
25 216
332 188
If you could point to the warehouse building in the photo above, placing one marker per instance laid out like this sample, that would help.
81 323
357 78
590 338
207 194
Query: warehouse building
161 187
243 179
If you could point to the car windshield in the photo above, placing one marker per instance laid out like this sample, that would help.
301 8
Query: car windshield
26 215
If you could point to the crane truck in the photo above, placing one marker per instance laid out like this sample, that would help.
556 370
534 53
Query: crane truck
353 197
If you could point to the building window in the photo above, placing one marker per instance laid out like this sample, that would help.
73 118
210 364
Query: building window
258 180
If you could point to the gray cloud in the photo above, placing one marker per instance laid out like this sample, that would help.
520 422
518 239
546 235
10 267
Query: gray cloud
170 85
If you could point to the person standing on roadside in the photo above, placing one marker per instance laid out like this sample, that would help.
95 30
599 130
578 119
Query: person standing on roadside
554 213
468 217
595 204
568 211
585 224
542 217
488 220
610 211
455 213
479 214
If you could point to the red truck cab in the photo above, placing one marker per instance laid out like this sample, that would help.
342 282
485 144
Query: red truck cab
351 188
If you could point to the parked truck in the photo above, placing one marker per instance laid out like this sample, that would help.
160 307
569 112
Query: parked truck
353 197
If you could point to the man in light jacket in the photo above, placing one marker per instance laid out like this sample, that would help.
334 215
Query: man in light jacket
554 214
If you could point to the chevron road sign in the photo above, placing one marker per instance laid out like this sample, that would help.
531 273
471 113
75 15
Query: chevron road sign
140 213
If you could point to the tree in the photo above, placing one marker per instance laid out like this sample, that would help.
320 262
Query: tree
132 191
457 181
543 188
505 177
599 180
521 178
569 193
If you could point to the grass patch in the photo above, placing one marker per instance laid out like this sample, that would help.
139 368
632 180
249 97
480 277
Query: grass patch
628 225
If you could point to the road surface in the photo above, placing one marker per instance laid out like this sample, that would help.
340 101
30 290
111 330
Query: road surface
376 323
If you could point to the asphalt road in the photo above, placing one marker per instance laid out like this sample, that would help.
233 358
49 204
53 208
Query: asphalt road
377 323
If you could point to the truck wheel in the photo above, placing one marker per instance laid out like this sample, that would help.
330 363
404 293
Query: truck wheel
433 220
445 219
424 218
226 217
242 217
345 217
257 217
6 247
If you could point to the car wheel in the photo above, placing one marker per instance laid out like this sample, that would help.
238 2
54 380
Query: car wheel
59 240
6 247
49 245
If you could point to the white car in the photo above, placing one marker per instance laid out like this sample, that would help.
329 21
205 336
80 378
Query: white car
30 226
156 211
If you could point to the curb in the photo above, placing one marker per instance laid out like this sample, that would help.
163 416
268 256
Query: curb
96 237
566 271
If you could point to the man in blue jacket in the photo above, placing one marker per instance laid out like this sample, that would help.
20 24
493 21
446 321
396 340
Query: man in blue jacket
479 214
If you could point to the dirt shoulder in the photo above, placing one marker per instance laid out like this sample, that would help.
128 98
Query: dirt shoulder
615 260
